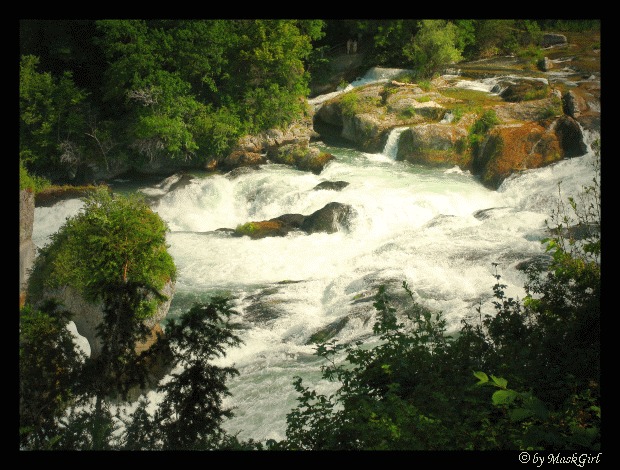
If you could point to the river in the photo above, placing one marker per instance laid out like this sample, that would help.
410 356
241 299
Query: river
440 230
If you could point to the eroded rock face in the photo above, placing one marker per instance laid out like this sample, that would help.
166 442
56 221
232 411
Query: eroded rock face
553 39
571 137
329 219
27 248
365 115
435 145
511 148
254 149
87 316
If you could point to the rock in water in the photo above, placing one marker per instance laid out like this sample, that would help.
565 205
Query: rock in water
329 219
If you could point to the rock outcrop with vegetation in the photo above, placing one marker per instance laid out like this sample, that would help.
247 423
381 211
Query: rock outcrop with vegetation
539 116
112 243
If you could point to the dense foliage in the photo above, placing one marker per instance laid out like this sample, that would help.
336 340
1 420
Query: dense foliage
176 89
119 92
114 94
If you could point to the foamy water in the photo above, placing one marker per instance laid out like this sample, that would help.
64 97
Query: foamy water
413 224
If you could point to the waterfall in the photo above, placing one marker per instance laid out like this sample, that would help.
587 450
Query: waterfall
391 145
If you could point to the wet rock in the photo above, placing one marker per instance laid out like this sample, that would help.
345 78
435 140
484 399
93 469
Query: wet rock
239 158
292 220
183 180
552 39
491 212
328 332
302 157
570 137
242 170
511 148
590 121
262 229
434 144
578 232
331 185
541 262
524 89
574 103
329 219
545 64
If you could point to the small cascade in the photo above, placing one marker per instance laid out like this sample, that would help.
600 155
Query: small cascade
391 145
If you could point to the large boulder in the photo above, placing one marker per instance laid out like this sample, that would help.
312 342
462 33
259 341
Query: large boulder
27 248
253 149
574 103
512 148
331 218
87 316
365 115
365 130
553 39
303 157
435 145
570 137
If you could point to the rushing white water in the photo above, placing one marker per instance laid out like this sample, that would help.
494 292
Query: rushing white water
391 145
413 224
373 75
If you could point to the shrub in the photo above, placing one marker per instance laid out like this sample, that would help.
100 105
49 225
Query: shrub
112 240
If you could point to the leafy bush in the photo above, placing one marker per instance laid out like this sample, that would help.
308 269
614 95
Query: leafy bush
33 183
407 112
350 103
113 239
483 124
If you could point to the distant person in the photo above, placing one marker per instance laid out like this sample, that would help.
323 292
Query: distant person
349 44
354 47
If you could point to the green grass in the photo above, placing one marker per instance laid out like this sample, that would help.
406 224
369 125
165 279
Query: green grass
407 113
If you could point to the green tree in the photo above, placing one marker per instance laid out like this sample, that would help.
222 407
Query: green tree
495 36
51 119
49 367
191 414
114 252
188 88
434 45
